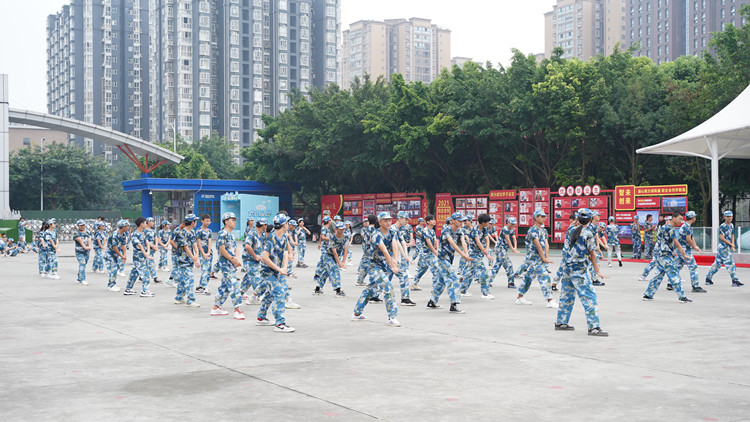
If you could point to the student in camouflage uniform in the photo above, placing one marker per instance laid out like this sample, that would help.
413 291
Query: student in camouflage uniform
229 260
173 276
652 264
479 248
186 252
42 253
724 252
82 241
252 250
384 255
116 253
325 237
576 277
565 250
140 256
100 245
164 235
668 251
688 245
649 229
333 257
274 262
405 238
50 239
149 234
205 253
428 251
302 234
537 248
506 240
613 241
450 238
635 228
368 227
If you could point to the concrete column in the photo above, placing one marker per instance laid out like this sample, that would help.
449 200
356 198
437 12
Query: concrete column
4 150
147 200
715 211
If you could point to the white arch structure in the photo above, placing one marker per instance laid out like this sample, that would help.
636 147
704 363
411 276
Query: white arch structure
131 146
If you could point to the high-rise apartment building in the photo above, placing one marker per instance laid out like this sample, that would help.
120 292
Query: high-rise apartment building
661 29
223 64
97 67
416 48
667 29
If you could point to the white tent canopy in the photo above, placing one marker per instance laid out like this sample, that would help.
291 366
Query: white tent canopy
725 135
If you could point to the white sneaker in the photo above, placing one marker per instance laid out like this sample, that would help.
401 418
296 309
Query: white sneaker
121 274
218 312
54 276
129 292
290 304
45 275
179 302
84 283
522 301
360 317
147 294
488 297
552 304
393 322
641 278
170 283
467 294
252 300
114 288
193 305
238 314
263 322
283 328
609 264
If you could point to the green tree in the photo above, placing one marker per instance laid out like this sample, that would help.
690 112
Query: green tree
219 153
73 180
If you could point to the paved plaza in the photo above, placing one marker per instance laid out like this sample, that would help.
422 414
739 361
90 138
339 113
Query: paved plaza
82 353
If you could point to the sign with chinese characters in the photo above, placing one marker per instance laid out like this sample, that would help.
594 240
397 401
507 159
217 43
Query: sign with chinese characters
625 198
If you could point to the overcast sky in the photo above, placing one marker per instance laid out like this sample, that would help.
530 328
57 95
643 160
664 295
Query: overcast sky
480 29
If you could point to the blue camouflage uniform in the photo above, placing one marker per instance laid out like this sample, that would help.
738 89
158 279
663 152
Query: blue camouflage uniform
565 254
140 267
534 266
115 241
229 287
666 262
150 236
99 236
42 253
636 237
204 235
164 235
648 240
613 241
446 275
183 270
365 264
301 245
404 234
82 255
50 266
378 274
685 231
477 269
251 265
724 254
427 259
275 292
331 269
576 279
502 260
320 267
652 264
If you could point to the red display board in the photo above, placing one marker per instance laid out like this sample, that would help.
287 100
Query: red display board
357 207
640 201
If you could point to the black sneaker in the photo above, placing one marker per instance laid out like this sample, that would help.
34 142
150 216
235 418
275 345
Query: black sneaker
199 289
213 276
157 281
620 262
709 282
563 327
511 285
376 299
736 283
699 289
318 291
455 309
647 297
340 293
407 302
433 305
554 287
669 287
596 331
598 283
684 299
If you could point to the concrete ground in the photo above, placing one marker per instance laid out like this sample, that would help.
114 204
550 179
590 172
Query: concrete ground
82 353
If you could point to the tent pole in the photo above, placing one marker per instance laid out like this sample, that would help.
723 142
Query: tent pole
714 194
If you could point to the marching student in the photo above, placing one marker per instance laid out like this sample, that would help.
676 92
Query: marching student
140 256
333 257
613 241
428 251
42 249
252 250
116 253
100 245
368 227
565 250
162 240
82 241
576 279
635 229
149 233
405 237
668 251
382 242
450 238
688 244
724 252
185 250
228 262
205 253
536 257
506 240
479 247
274 261
302 234
50 239
649 229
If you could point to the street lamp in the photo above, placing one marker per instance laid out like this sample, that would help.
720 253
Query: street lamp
174 135
41 175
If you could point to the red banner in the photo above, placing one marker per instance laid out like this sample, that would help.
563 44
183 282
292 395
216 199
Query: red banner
502 195
331 203
650 202
625 198
443 209
352 197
